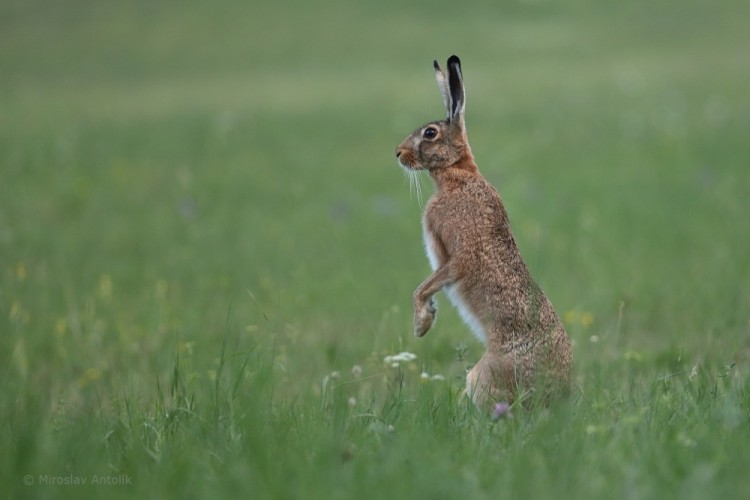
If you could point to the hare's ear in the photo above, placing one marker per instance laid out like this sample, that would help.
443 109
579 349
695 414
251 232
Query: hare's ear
457 92
442 83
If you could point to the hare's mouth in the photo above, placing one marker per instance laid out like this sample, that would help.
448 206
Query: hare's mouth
405 165
407 162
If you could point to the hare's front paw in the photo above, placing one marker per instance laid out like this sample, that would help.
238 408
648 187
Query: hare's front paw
424 315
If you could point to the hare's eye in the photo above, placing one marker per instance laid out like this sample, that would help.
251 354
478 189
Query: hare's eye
430 133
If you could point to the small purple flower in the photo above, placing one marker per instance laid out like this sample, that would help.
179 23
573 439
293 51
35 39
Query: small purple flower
502 410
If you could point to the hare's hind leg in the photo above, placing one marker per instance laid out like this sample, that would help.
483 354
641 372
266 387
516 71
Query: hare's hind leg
491 381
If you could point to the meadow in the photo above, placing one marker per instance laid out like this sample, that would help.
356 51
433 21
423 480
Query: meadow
207 248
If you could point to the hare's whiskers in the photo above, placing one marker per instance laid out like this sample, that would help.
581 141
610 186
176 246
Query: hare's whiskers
413 178
407 178
415 184
420 186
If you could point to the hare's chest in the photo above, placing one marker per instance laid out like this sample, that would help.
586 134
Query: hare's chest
431 245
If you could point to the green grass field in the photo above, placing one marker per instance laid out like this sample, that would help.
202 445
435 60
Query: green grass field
207 248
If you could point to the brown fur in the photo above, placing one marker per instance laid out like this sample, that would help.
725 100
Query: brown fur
476 261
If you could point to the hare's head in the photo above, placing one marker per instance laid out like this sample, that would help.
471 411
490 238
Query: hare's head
441 143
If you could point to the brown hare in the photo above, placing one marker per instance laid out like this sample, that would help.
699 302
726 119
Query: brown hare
476 262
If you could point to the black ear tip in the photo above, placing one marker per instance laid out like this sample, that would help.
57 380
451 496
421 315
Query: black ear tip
435 64
454 60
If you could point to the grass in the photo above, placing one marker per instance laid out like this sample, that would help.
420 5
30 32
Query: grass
203 231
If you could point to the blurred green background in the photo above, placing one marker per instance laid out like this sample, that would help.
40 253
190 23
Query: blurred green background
173 173
216 149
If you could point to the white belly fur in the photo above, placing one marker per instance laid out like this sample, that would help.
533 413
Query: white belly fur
466 313
429 246
455 297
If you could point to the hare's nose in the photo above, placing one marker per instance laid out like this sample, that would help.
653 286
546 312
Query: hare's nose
398 153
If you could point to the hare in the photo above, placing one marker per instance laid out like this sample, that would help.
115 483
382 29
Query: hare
475 260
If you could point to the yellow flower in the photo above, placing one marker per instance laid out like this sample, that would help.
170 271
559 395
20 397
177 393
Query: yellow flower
105 287
90 375
571 317
587 319
583 318
60 326
20 271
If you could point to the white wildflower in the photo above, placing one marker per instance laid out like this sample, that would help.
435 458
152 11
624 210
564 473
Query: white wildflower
402 357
